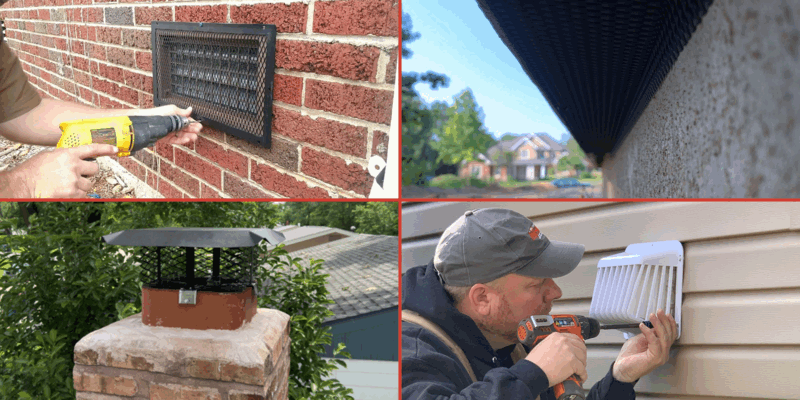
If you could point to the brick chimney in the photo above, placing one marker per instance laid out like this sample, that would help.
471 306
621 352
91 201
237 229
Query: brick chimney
200 336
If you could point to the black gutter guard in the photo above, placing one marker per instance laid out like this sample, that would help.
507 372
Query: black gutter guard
224 71
597 62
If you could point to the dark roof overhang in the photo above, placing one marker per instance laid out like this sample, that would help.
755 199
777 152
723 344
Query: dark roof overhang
597 62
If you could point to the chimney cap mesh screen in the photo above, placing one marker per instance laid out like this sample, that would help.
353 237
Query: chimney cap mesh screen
224 72
166 268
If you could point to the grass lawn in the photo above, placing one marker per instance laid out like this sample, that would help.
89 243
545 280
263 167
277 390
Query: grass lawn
516 184
593 180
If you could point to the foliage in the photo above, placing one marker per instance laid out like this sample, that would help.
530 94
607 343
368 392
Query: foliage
366 217
463 135
450 181
508 136
419 120
298 289
573 160
377 217
504 159
408 35
586 175
62 282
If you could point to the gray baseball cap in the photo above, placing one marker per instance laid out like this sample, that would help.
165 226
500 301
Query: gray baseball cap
486 244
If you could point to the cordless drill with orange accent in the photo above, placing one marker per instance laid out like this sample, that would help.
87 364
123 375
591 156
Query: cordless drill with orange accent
534 329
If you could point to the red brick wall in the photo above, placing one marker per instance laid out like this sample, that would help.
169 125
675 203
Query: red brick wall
334 81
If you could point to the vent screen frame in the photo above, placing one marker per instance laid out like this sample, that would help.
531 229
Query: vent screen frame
221 70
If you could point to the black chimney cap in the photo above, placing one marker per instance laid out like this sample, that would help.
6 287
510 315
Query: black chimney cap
194 237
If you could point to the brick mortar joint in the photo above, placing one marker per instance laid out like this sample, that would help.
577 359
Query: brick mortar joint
153 377
89 58
313 113
364 162
93 91
181 169
335 79
318 183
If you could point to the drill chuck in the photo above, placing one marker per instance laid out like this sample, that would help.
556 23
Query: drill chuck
147 130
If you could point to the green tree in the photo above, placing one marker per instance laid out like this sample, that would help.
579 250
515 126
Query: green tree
574 159
375 218
419 120
508 136
504 159
61 283
332 214
379 218
463 135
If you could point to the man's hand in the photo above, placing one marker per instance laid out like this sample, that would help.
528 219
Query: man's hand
643 353
560 355
186 135
59 173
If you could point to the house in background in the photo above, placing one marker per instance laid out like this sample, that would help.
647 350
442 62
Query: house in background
364 287
531 157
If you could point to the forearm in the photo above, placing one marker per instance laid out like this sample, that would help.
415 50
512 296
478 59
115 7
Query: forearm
13 185
40 125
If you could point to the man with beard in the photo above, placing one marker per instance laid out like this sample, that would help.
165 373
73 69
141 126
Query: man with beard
491 269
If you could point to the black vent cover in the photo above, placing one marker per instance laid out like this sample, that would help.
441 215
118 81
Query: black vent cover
224 71
597 62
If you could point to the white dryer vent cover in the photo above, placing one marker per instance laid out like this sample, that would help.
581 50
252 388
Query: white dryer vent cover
633 284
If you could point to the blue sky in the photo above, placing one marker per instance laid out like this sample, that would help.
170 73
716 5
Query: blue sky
458 41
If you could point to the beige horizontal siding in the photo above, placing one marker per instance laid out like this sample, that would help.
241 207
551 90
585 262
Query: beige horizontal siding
609 228
760 372
741 305
434 217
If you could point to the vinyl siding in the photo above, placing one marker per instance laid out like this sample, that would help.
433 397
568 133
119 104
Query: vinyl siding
370 380
741 304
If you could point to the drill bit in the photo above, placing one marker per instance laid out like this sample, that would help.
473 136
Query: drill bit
626 326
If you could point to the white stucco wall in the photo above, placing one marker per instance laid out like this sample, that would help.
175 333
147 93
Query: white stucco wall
724 122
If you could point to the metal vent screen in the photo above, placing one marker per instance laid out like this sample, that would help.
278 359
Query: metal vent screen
223 71
206 269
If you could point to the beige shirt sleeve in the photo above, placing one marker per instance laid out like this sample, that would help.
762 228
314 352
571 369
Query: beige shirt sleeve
17 95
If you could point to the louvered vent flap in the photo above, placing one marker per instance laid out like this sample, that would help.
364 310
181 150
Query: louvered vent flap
633 284
223 71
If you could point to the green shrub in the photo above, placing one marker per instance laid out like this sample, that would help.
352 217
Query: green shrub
478 183
298 289
62 282
586 175
447 181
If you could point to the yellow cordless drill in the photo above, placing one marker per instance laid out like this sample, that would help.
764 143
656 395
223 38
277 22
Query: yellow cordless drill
128 134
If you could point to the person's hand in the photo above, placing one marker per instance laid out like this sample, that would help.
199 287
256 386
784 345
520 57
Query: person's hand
560 355
186 135
60 173
643 353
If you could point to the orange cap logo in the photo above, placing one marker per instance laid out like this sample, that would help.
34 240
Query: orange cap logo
535 233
